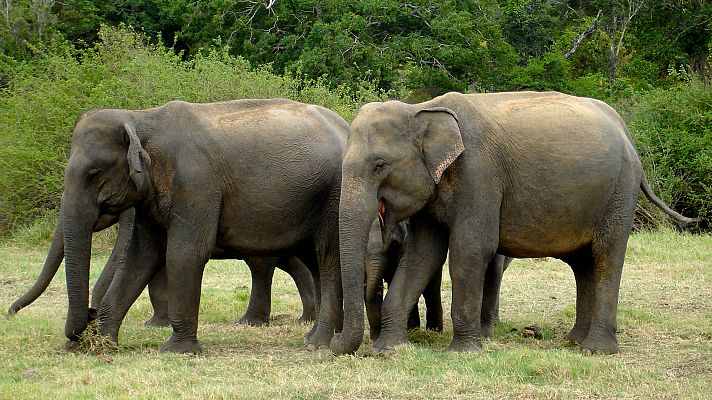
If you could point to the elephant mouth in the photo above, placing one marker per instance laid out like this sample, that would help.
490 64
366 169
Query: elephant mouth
386 225
382 213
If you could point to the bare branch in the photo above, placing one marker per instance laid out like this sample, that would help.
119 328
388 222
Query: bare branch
582 36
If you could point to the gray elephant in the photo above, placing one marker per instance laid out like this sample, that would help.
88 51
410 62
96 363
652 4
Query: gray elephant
521 174
382 257
261 268
251 177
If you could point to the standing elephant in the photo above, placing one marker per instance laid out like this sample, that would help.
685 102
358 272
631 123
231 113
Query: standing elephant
520 174
251 177
382 257
261 268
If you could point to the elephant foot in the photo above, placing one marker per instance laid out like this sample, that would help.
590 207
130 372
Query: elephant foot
158 321
598 347
469 345
182 346
386 344
111 334
576 335
307 317
373 334
320 338
252 320
487 330
72 346
309 334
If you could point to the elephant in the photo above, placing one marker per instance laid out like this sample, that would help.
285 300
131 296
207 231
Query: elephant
253 177
261 268
521 174
382 257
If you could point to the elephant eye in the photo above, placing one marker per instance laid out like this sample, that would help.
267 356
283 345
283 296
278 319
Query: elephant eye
93 172
380 164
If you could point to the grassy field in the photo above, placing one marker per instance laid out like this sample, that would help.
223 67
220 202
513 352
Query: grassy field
664 322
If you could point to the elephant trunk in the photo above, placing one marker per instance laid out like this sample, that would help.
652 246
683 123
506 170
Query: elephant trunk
375 265
78 217
357 209
51 265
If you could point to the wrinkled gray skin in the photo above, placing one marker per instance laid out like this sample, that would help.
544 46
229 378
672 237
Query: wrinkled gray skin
520 174
261 268
382 258
250 177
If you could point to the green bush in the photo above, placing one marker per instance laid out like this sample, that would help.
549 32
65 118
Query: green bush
673 133
548 72
44 99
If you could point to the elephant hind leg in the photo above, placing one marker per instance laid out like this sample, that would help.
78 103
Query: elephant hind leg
582 266
305 285
260 305
158 294
433 303
608 253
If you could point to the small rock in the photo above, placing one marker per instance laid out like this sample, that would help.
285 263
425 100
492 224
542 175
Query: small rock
30 373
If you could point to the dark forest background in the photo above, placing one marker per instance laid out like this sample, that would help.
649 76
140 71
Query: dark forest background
650 59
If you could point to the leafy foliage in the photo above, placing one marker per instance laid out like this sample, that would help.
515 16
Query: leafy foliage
673 133
121 71
56 61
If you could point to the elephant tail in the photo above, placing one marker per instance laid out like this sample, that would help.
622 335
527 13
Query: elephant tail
682 220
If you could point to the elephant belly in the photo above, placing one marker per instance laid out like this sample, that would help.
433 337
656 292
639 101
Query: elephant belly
263 227
553 220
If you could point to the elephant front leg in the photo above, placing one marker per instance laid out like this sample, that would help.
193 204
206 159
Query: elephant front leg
158 293
187 253
424 253
468 266
331 311
143 255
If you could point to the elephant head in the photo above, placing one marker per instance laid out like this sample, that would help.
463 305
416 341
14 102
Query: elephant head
106 174
395 157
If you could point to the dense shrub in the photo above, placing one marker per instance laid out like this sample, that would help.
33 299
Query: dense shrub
673 133
42 103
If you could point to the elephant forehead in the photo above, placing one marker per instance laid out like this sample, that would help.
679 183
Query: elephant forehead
381 123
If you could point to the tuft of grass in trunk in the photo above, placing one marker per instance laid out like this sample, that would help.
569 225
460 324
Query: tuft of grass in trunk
92 342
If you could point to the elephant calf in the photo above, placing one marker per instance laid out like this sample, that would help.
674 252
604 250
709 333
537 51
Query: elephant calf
382 257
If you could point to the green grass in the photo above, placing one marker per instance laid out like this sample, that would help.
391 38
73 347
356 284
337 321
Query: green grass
664 322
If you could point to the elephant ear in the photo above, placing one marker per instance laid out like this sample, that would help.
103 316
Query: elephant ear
137 157
441 139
